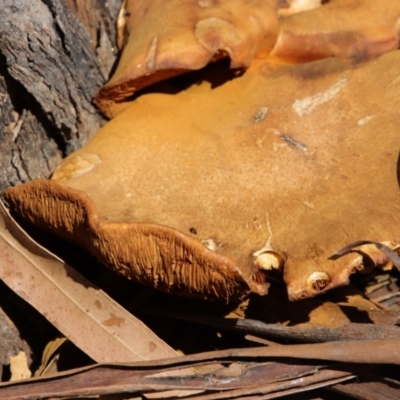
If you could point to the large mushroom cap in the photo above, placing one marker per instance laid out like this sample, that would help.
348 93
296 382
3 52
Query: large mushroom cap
281 165
165 39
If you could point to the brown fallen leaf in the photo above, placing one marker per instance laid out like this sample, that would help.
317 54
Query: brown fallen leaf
86 315
235 379
107 378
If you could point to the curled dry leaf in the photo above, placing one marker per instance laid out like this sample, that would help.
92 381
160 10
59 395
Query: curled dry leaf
166 39
86 315
186 192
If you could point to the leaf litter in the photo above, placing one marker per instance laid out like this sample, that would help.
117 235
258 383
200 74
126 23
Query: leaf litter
235 373
344 336
83 313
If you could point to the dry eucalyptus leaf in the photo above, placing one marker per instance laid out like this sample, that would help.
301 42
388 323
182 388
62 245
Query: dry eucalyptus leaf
84 314
250 374
236 378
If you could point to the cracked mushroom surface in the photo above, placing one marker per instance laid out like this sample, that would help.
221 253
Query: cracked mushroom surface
275 169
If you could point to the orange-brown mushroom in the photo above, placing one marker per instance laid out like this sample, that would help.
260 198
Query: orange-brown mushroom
356 30
161 40
165 39
198 192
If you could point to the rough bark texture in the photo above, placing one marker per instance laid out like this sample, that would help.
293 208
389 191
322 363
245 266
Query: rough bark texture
54 56
10 342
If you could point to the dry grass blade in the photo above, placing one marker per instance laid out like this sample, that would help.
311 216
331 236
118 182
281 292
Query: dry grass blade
86 315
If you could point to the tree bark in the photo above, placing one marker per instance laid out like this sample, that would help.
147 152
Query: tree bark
54 56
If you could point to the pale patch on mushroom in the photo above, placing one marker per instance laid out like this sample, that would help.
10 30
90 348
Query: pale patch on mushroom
151 55
267 258
365 120
206 3
211 244
308 104
296 6
76 166
270 260
318 281
308 204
